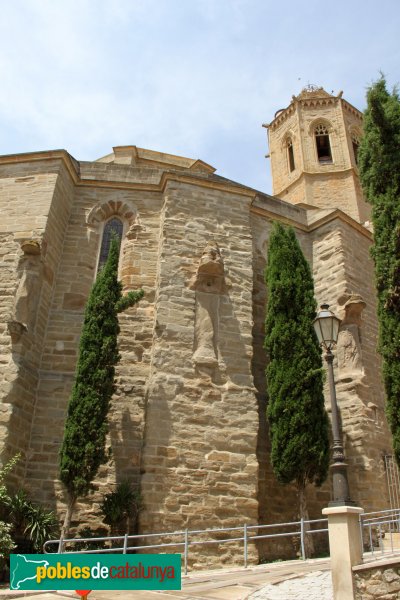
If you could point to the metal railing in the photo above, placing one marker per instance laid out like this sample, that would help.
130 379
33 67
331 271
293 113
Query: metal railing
380 531
189 538
393 480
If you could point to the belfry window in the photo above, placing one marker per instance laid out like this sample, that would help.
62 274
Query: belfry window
113 227
323 143
290 153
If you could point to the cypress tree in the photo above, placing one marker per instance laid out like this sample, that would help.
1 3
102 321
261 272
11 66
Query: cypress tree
379 165
296 412
83 449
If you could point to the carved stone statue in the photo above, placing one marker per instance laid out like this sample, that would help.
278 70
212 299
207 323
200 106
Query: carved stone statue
209 284
349 346
27 296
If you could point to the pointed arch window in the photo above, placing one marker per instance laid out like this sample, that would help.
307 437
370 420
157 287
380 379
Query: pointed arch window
290 155
323 143
113 227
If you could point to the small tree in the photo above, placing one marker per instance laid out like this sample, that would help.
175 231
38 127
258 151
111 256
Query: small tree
379 164
296 413
83 449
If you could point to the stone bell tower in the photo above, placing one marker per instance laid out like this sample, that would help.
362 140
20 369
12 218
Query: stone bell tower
313 149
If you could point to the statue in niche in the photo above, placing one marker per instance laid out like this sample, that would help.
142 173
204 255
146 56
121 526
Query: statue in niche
349 346
27 296
208 283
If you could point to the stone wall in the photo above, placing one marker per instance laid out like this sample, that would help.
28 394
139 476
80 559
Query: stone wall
378 580
342 266
339 256
27 281
75 276
199 462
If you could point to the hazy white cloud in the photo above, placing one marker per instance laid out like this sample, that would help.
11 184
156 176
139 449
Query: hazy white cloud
196 78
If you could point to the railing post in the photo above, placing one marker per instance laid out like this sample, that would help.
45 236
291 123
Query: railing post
303 552
61 545
245 544
360 523
381 539
186 551
371 541
125 543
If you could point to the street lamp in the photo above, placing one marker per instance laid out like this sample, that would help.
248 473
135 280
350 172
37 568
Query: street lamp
326 327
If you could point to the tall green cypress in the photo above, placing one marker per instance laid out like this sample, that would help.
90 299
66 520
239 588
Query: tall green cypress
379 165
296 412
83 449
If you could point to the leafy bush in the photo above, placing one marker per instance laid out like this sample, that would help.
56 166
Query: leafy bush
6 542
120 508
31 524
87 532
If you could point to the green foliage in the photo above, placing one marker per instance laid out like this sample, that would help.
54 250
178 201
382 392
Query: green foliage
41 524
296 413
120 507
17 507
4 472
88 533
6 542
379 165
28 523
84 446
31 524
129 300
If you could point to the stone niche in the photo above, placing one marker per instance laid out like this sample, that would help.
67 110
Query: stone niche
349 354
209 284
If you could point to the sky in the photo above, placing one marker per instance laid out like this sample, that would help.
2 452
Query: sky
195 78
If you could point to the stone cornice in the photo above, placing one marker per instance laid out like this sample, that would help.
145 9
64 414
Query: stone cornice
311 100
71 164
192 177
352 109
319 222
207 183
317 173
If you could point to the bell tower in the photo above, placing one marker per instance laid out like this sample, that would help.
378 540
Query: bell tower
313 149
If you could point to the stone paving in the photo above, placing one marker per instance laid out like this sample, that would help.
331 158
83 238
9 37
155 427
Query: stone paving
298 580
315 586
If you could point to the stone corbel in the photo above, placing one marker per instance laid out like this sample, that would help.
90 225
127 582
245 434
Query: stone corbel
134 231
16 329
31 247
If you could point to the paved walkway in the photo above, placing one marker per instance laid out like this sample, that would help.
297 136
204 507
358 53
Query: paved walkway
314 586
275 581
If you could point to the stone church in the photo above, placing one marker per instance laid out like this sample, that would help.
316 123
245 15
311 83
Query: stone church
187 424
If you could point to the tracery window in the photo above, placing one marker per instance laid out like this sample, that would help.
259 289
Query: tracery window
113 227
323 144
290 154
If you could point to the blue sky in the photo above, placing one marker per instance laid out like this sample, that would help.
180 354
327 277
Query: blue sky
190 77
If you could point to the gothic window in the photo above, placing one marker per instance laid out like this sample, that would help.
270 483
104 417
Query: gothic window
323 144
355 142
113 227
290 155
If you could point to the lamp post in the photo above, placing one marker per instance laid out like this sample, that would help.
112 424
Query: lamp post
326 327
